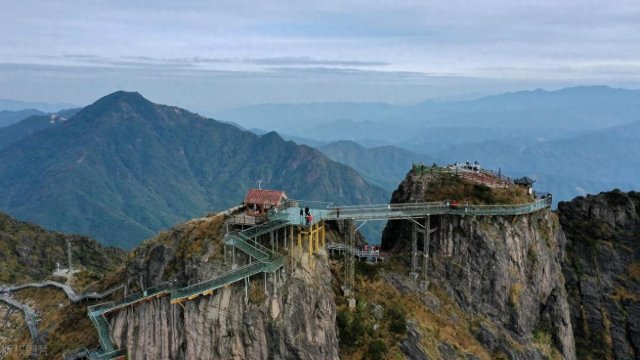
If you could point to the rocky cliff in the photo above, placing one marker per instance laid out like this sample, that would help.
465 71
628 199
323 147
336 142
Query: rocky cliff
505 272
291 316
602 273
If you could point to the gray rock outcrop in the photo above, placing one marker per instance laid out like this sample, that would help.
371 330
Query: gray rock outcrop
292 317
507 270
602 273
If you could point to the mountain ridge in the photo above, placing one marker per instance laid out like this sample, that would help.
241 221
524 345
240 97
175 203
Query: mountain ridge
124 168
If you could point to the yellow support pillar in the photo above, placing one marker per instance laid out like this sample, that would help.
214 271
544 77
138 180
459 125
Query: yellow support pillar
310 238
299 237
317 235
291 234
323 234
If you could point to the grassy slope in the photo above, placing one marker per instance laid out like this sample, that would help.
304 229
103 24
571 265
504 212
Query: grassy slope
30 253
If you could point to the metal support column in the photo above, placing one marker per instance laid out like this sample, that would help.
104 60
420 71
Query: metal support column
233 257
425 251
246 290
414 252
271 240
349 263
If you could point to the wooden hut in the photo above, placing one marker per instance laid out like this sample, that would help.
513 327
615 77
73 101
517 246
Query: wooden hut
259 201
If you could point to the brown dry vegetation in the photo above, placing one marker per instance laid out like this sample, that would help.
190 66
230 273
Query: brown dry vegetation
447 186
634 271
193 239
449 324
13 333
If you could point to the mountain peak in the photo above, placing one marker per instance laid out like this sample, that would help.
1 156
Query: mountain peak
121 96
118 102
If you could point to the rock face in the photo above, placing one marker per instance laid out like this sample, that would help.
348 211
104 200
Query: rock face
292 318
505 270
602 273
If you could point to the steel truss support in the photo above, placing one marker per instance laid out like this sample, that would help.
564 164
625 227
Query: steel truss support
349 256
426 231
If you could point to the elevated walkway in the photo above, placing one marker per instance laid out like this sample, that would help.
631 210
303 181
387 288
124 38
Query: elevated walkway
416 210
412 210
267 261
359 253
68 290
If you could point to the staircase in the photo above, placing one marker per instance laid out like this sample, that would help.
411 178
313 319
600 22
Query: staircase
255 250
101 324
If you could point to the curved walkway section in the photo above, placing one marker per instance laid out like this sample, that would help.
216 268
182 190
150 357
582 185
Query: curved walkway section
30 316
68 290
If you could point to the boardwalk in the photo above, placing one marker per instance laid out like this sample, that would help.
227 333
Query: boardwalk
267 261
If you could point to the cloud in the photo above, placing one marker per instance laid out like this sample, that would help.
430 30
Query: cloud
516 42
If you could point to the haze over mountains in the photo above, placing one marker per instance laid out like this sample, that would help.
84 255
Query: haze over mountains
573 140
123 168
16 105
29 125
8 117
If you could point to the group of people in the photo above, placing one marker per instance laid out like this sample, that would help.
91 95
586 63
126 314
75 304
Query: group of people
371 248
475 166
307 215
455 205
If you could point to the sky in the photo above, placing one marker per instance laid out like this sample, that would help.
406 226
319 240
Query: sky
208 56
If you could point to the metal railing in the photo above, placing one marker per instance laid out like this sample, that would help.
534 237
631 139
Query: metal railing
409 210
358 252
219 281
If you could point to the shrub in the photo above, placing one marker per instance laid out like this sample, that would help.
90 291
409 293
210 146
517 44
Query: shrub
377 350
397 321
351 326
344 327
358 327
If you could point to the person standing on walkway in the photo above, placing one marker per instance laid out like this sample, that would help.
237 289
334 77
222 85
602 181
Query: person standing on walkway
337 212
306 210
301 213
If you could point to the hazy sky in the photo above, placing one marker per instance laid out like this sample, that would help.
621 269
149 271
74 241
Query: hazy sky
212 55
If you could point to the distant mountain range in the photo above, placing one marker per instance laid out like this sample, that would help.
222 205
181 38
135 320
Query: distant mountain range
123 168
573 140
15 105
545 115
14 132
385 166
11 117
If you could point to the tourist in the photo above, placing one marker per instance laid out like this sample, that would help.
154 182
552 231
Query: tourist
337 212
454 204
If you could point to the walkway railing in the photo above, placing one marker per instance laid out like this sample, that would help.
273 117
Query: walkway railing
494 178
411 210
358 252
